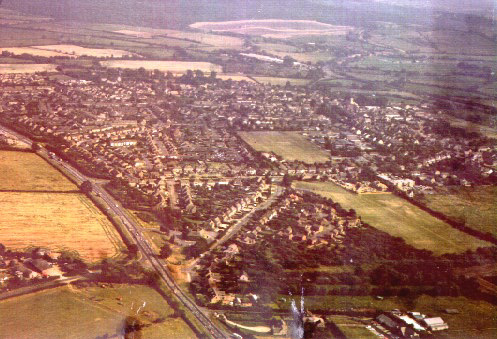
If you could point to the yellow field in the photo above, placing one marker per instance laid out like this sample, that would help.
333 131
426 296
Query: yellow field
72 50
172 66
234 77
26 68
32 51
25 171
273 28
86 313
58 221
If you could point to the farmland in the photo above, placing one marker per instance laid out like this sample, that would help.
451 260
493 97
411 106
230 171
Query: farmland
171 66
399 218
89 312
26 68
282 81
60 221
72 50
473 205
280 29
25 171
289 145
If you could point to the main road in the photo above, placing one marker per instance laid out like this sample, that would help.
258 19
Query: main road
133 228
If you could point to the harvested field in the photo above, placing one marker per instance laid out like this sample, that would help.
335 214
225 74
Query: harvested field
91 312
72 50
60 221
272 28
25 171
289 145
398 217
26 68
177 67
31 51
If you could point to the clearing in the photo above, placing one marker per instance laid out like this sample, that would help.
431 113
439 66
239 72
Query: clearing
26 68
164 66
273 28
289 145
26 171
399 218
476 206
88 313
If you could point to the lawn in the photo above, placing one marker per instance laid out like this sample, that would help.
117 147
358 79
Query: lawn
60 221
289 145
474 205
475 320
87 313
399 218
26 171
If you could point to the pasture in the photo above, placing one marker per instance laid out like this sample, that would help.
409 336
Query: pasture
72 312
25 171
26 68
59 221
289 145
177 67
73 50
282 81
476 206
399 218
32 51
273 28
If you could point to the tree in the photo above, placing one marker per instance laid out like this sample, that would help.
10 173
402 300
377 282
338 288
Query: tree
287 181
133 249
165 251
86 187
35 146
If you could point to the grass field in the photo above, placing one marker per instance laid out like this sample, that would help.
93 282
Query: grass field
273 28
60 221
289 145
399 218
72 50
26 68
282 81
32 51
474 205
26 171
476 320
87 313
172 66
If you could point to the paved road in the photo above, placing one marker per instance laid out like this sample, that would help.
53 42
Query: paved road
143 245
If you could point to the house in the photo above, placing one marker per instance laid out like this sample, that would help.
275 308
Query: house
435 324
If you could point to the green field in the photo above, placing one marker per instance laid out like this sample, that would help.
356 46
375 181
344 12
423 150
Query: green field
289 145
399 218
475 320
282 81
474 205
87 313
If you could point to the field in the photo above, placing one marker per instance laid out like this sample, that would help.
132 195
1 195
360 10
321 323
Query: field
26 68
172 66
88 313
25 171
282 81
279 29
31 51
72 50
476 320
289 145
474 205
60 221
399 218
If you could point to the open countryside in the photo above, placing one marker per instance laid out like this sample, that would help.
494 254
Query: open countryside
164 66
289 145
89 312
27 68
399 218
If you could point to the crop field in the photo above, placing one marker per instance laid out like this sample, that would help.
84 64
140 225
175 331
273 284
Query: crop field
25 171
26 68
273 28
289 145
73 50
476 206
91 312
177 67
32 51
476 320
234 77
60 221
399 218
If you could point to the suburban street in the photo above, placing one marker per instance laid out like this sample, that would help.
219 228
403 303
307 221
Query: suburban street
133 228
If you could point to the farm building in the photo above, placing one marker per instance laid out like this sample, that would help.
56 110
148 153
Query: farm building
435 324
